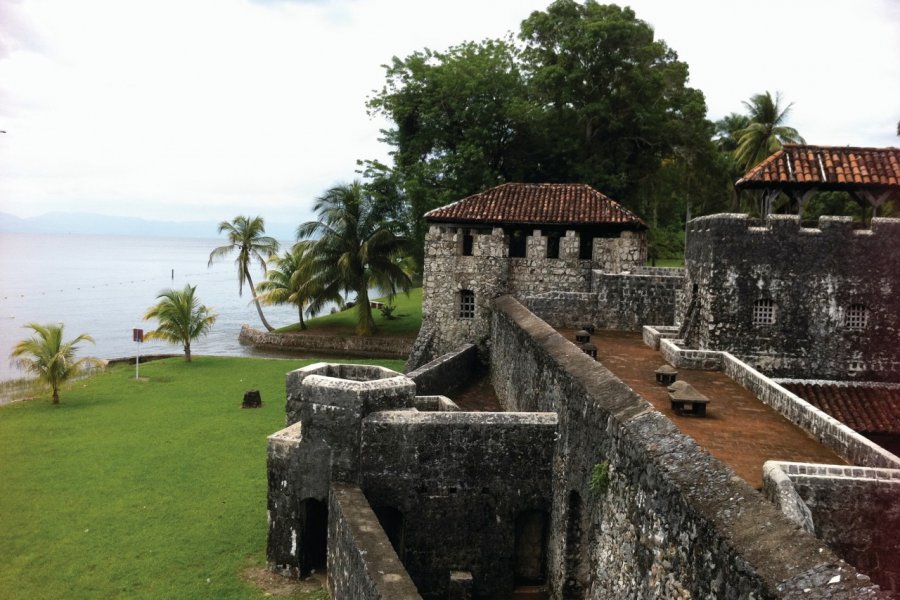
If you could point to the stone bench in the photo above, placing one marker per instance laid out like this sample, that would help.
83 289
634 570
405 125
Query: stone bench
686 400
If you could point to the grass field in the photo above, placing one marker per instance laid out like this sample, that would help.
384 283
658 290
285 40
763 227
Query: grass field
408 318
141 489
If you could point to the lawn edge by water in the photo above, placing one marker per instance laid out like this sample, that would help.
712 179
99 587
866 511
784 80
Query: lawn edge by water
141 489
406 322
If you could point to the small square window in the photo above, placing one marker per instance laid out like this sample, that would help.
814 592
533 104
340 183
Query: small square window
856 316
764 312
466 304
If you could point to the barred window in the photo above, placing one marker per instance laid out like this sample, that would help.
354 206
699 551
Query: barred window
856 316
764 312
466 304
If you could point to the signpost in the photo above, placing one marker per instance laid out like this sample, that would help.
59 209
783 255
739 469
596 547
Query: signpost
137 335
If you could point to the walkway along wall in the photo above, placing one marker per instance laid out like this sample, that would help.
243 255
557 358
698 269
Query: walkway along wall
666 520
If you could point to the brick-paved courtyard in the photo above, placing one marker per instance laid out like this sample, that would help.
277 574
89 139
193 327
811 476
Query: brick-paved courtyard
739 430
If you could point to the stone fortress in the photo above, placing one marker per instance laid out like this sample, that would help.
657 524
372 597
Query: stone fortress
584 486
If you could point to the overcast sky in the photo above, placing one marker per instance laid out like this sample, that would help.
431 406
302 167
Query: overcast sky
204 109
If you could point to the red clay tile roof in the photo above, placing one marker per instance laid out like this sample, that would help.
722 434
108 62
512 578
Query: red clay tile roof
826 168
544 203
866 409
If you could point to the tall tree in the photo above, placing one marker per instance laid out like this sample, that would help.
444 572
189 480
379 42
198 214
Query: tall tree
614 99
52 360
459 126
247 236
356 249
182 319
291 280
590 97
766 131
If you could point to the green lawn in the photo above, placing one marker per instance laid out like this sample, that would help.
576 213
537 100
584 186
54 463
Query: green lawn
141 489
408 318
668 262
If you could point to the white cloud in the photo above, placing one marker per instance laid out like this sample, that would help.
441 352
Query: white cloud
207 108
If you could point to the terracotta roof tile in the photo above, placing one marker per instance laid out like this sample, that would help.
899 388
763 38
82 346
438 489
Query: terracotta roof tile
539 203
827 167
864 408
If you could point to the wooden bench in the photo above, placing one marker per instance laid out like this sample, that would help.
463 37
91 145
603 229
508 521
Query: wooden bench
686 400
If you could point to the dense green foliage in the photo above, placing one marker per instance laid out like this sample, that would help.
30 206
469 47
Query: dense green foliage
182 319
247 237
49 358
141 489
405 320
292 281
586 94
356 249
766 131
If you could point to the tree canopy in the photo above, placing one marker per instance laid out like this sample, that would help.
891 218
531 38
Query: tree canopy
48 357
766 130
182 319
356 249
247 236
585 93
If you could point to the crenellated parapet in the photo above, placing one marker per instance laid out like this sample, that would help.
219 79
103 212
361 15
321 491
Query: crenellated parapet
468 265
771 292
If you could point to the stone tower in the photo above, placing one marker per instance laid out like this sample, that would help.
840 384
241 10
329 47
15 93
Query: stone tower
518 239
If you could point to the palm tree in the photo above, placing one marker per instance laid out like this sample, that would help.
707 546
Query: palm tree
49 358
292 281
766 132
356 250
246 235
182 319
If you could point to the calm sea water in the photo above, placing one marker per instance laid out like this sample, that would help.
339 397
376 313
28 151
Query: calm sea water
102 285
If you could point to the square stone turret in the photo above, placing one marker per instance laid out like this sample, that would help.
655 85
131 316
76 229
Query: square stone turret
326 404
520 239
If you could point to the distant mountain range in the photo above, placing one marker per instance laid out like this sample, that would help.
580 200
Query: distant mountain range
93 224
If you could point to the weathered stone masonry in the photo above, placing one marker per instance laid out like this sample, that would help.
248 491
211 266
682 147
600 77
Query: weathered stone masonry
489 271
454 491
674 522
853 509
796 302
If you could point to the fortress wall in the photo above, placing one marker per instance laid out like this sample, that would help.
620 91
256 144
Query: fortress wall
455 487
621 301
489 272
629 301
361 562
565 309
668 521
446 373
446 274
813 278
850 445
856 511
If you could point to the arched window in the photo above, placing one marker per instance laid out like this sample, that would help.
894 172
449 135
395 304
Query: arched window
764 312
856 316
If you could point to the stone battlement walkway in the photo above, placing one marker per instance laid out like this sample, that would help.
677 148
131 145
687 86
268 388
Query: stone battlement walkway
739 430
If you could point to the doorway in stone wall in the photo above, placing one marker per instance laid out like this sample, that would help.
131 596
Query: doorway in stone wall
314 535
531 546
391 521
